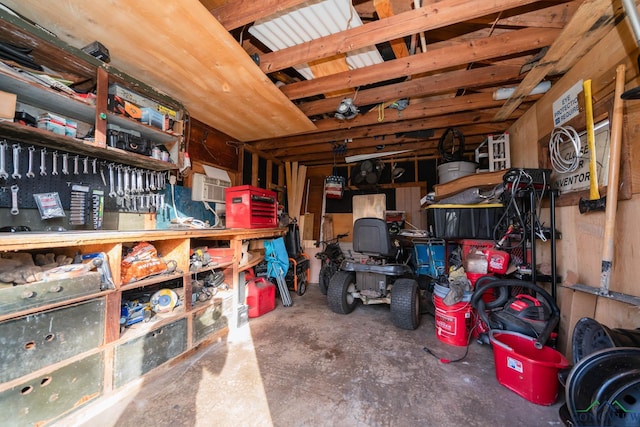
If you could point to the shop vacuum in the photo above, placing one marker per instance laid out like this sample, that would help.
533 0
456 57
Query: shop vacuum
505 304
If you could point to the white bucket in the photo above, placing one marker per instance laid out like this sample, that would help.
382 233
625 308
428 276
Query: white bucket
454 170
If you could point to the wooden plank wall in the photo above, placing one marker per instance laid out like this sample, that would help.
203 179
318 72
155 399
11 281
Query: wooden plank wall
579 253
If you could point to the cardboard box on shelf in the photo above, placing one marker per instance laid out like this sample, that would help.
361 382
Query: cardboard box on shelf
7 105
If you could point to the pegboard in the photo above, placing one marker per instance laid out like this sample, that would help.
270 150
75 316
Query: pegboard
81 174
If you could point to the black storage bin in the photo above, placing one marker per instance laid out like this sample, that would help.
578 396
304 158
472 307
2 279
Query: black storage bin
464 221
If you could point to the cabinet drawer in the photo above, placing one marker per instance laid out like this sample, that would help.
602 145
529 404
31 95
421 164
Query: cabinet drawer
52 395
32 342
139 355
33 295
211 319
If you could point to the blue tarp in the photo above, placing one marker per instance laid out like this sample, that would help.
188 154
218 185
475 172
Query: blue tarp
276 256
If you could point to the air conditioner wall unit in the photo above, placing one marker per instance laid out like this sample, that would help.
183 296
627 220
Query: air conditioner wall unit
208 189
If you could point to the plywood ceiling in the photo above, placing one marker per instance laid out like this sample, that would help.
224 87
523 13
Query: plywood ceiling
446 57
180 49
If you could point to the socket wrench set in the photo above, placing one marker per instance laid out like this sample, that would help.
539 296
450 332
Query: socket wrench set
48 179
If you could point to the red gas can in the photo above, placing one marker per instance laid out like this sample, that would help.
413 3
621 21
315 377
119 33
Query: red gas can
498 261
261 297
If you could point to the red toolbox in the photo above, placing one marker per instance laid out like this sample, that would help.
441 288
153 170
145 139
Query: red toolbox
251 207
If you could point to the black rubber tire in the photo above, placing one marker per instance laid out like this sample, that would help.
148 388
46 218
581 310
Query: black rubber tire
405 304
302 283
339 295
326 272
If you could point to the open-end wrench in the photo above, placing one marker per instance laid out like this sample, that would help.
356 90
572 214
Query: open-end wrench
152 180
54 165
75 165
16 162
126 189
94 166
30 173
85 166
65 164
132 182
140 181
146 181
43 161
3 155
112 192
14 200
119 190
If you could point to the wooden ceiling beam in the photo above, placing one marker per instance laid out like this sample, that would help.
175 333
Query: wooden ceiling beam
384 8
430 85
428 108
236 13
460 53
417 148
468 129
429 17
392 128
555 16
591 16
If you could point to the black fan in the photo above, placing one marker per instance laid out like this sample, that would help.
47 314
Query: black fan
366 173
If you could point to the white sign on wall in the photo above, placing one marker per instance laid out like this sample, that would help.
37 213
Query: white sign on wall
579 179
566 107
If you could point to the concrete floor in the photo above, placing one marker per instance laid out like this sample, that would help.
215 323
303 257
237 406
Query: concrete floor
306 366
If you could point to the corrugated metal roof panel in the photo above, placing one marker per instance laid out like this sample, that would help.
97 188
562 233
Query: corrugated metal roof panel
310 21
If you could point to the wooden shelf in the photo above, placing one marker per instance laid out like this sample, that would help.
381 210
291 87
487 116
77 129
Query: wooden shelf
46 240
40 137
151 281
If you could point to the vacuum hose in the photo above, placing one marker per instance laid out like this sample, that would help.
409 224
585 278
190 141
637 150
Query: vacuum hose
478 303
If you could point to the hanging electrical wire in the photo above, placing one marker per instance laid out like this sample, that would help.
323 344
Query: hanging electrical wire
561 159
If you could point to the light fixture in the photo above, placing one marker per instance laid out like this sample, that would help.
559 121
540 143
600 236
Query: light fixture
506 92
396 171
346 110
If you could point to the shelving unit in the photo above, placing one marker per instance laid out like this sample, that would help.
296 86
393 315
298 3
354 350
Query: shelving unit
62 344
64 59
74 349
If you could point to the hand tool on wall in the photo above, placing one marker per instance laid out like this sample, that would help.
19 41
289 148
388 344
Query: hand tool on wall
43 162
14 200
612 183
112 191
85 166
30 173
594 203
54 164
16 162
125 176
75 165
119 190
3 155
65 164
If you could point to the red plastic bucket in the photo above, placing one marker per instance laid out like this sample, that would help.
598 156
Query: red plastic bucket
488 295
525 370
452 321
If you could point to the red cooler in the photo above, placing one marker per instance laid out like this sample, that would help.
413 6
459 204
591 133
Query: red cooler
261 297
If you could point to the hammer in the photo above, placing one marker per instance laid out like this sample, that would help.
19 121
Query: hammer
595 202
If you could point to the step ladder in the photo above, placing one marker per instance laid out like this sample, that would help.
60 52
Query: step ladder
496 149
